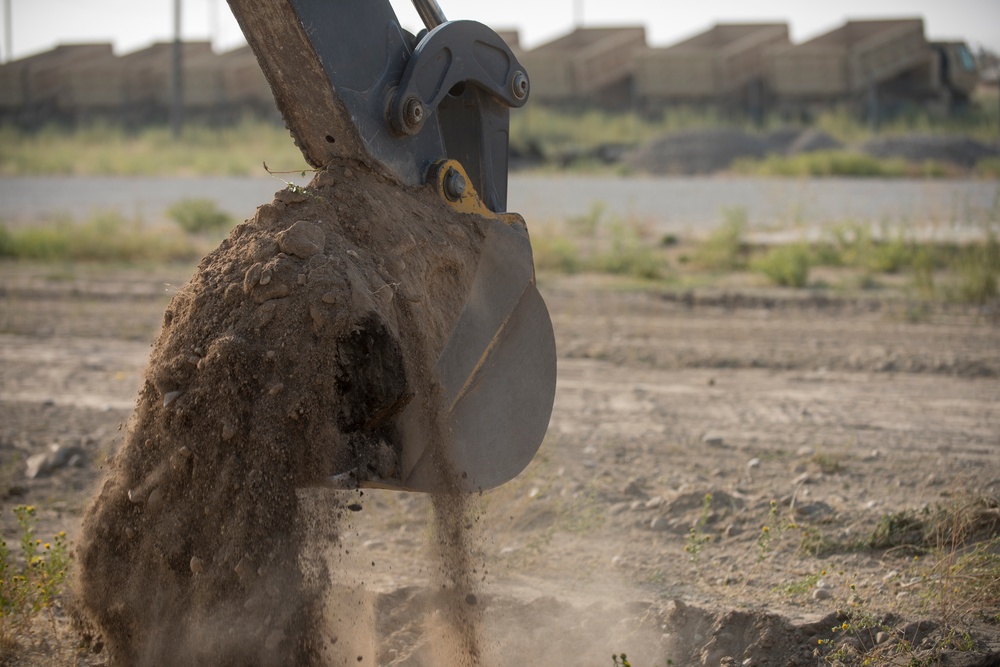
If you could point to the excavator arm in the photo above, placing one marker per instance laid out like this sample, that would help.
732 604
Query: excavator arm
429 110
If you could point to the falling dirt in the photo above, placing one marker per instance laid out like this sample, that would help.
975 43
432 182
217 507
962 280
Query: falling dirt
283 362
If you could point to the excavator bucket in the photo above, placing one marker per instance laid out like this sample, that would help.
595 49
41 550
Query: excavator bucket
428 111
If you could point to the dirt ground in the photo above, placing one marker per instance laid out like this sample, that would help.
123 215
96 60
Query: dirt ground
716 470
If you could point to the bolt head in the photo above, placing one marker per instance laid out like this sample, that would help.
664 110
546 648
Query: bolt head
519 85
413 112
454 184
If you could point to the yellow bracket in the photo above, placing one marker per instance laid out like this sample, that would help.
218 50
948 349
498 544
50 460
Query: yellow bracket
465 199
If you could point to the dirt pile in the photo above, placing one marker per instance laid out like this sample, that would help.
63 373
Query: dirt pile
695 151
963 151
284 361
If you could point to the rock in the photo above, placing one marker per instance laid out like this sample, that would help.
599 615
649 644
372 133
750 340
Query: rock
654 502
821 594
154 498
170 397
60 455
713 440
659 524
618 561
805 451
197 567
303 239
618 508
633 488
37 466
804 478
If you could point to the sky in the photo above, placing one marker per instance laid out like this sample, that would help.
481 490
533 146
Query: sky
38 25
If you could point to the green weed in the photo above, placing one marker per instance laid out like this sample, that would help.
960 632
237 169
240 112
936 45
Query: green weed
103 149
555 252
977 270
724 249
786 265
825 163
199 216
696 538
104 237
630 254
29 585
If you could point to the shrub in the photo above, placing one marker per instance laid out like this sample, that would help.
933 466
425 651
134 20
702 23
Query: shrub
199 216
630 254
786 265
29 587
724 249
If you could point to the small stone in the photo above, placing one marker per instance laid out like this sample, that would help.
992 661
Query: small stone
753 464
654 502
265 278
633 488
804 478
805 451
713 440
37 466
276 389
329 298
170 397
617 509
882 637
59 456
274 640
471 600
243 570
197 567
252 277
228 432
821 594
185 452
618 561
154 499
659 524
135 496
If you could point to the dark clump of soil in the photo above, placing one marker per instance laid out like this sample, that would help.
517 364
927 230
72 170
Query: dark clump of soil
701 151
963 151
284 361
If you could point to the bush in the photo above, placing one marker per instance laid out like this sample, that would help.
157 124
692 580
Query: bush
724 249
978 269
786 265
630 254
199 216
555 253
104 237
29 587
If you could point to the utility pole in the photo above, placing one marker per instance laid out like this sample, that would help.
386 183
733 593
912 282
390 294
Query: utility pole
177 97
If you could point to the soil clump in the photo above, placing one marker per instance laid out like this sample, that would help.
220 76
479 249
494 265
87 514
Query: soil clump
284 361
